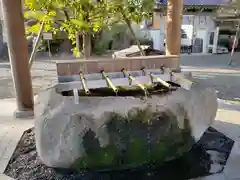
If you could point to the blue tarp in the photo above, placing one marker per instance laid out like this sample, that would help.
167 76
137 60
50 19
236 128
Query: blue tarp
199 2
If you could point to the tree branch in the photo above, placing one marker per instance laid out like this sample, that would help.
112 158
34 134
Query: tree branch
66 14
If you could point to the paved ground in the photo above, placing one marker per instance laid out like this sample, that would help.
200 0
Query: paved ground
211 70
43 74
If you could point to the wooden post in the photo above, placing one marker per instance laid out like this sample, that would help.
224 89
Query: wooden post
173 30
234 43
18 55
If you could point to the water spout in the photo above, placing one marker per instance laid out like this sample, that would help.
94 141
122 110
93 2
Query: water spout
153 76
109 82
177 77
83 80
131 78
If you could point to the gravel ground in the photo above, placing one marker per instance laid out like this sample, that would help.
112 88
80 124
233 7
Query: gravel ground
26 165
43 75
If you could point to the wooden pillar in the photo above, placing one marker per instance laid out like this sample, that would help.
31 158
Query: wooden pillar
18 55
173 27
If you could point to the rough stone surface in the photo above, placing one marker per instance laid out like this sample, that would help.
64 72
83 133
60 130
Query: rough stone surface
66 132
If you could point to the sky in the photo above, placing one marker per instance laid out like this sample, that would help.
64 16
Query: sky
202 2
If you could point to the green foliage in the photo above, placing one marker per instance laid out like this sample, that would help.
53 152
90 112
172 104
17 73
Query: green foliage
132 10
101 44
100 159
76 52
84 16
134 154
64 15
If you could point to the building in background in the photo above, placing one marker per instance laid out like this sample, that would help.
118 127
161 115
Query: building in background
199 30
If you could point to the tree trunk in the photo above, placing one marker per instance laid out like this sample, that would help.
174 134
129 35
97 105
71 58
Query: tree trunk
78 44
36 44
87 47
234 44
133 34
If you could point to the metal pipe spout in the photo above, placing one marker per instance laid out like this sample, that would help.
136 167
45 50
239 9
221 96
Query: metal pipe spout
109 82
153 76
131 78
83 80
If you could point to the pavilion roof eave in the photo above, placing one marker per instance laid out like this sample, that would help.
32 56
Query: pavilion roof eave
188 9
228 18
159 6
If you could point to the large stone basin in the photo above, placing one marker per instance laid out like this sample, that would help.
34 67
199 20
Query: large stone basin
115 132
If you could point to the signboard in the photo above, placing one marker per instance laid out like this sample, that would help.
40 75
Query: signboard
47 36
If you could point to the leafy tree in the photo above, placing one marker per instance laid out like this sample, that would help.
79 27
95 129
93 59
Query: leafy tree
83 17
130 11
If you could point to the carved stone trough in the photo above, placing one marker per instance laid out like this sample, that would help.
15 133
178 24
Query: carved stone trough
121 119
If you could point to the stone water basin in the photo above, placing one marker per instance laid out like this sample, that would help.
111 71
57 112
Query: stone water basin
107 131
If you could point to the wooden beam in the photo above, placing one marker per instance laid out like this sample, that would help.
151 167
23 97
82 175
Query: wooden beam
68 68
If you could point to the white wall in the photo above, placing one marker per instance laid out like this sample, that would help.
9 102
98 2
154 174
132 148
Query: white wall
203 22
195 26
203 26
191 24
188 29
158 39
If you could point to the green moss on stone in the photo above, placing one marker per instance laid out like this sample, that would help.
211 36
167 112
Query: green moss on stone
159 152
103 158
137 153
129 144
